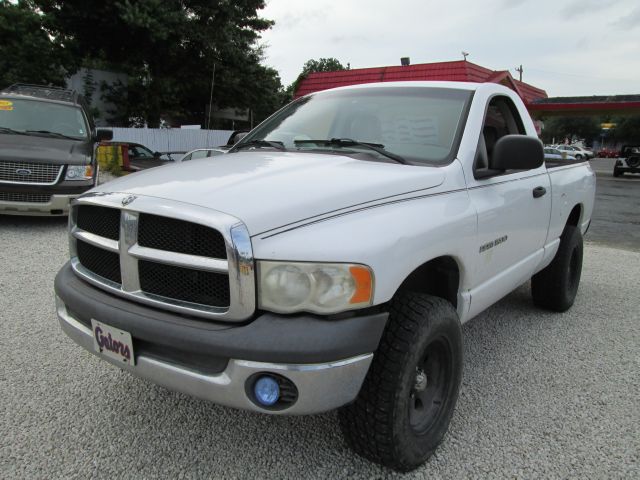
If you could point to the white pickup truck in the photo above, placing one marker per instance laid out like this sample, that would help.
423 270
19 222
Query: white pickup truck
329 260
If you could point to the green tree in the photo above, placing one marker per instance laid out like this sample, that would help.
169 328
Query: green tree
27 54
311 66
169 49
627 129
572 128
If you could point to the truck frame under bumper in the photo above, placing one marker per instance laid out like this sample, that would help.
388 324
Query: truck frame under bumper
326 360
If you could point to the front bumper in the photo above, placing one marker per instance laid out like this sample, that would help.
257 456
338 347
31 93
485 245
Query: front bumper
326 360
628 169
58 205
60 197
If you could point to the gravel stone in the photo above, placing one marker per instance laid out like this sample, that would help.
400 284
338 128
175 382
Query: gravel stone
544 395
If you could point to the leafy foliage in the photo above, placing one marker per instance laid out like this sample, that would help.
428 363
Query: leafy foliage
169 49
311 66
572 128
27 54
589 129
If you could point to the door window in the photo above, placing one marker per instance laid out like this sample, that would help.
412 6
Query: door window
502 118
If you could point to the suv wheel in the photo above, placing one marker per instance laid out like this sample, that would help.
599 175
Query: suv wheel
409 395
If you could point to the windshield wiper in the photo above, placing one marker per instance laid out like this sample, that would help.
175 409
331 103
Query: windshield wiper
11 130
347 142
55 134
260 143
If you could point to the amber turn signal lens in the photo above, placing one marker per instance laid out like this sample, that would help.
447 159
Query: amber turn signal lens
364 284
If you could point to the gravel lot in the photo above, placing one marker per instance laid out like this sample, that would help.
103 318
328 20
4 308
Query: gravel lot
544 395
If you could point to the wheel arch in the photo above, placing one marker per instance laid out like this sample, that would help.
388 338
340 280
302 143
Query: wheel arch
575 217
441 277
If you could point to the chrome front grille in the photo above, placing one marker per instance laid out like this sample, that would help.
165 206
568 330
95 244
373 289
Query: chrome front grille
200 264
29 173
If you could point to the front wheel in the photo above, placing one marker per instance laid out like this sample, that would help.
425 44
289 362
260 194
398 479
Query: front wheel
409 395
616 172
556 286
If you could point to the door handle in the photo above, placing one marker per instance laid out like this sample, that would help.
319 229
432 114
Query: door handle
539 191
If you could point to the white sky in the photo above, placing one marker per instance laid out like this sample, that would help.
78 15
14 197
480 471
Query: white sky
567 47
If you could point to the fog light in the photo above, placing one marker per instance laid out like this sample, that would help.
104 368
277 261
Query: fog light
267 391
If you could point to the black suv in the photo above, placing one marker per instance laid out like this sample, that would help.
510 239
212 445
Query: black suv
628 160
47 154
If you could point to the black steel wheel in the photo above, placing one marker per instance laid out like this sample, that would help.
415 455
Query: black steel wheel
433 375
405 405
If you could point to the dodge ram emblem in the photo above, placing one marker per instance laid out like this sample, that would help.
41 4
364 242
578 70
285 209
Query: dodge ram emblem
23 172
127 200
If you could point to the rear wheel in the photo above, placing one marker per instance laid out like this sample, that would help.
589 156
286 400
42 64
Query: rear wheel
556 286
617 172
409 395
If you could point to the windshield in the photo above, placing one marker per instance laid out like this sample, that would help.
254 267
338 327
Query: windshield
416 123
36 116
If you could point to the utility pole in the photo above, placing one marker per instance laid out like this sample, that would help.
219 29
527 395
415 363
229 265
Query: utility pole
213 81
519 70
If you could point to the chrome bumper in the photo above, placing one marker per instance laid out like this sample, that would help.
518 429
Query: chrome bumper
321 386
57 202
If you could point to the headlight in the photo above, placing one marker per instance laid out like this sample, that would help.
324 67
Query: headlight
79 172
313 287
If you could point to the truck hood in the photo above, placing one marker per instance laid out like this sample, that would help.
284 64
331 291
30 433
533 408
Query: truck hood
267 190
37 149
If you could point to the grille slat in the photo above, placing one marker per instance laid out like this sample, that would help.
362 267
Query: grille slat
174 235
39 173
101 262
185 284
101 221
25 197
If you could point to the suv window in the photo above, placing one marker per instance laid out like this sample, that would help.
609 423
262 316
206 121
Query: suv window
502 118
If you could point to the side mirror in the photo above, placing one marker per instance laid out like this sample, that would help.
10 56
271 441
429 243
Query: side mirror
157 154
517 152
103 135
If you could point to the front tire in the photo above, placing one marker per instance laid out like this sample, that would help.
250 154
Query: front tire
555 287
409 395
617 172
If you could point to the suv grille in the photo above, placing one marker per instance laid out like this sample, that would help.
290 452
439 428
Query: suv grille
179 236
24 197
23 172
101 221
101 262
189 285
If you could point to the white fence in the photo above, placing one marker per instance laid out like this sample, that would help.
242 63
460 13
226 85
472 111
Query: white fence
171 140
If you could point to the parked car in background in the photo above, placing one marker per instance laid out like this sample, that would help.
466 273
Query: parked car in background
553 154
138 157
578 152
202 153
628 161
608 153
47 157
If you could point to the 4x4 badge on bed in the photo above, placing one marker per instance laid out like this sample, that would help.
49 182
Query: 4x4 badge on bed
127 200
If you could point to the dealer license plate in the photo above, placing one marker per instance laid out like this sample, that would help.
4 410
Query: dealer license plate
113 342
